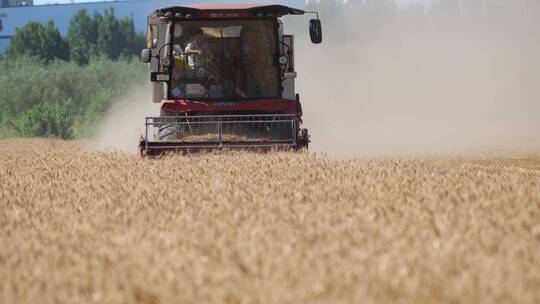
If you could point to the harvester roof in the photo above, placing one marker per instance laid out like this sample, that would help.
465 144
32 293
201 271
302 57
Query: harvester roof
244 10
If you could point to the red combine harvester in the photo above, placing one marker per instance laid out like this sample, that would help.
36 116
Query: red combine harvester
224 75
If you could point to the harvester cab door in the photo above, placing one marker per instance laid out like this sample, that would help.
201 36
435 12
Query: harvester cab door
287 67
157 38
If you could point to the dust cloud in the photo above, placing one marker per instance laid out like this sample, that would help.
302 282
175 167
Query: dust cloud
121 129
422 80
411 80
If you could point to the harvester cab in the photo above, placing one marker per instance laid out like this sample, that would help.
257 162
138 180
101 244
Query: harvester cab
225 77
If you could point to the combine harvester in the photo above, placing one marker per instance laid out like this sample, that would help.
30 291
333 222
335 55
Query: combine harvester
224 75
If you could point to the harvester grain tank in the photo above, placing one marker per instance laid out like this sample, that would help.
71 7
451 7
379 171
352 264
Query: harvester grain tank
225 77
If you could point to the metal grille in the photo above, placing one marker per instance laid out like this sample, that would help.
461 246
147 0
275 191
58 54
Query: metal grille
223 131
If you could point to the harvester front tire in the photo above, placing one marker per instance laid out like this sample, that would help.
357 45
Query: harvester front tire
169 133
303 143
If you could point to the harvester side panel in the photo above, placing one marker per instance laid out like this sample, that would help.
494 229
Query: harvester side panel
156 37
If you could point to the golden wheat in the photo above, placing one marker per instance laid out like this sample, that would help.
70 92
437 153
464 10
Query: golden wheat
96 227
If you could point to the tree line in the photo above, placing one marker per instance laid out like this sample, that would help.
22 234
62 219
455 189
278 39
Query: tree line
62 99
99 35
62 86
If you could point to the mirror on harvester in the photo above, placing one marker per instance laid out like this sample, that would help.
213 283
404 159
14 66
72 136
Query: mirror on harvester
146 55
315 30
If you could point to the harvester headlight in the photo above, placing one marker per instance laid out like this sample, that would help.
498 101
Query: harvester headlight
283 60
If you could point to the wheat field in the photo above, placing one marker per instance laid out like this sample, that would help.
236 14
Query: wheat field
78 226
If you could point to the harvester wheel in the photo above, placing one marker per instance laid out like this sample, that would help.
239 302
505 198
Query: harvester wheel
169 133
303 141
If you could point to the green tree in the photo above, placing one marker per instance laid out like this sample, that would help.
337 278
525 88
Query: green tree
57 47
83 92
109 38
37 40
130 42
47 120
82 37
